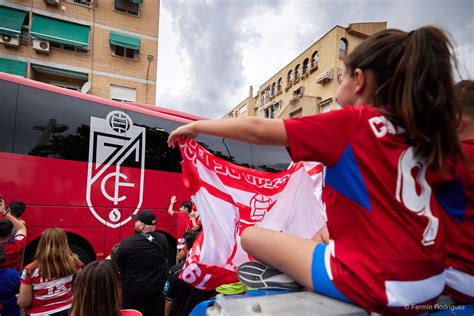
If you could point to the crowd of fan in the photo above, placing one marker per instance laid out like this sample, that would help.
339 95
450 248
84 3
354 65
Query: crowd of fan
136 279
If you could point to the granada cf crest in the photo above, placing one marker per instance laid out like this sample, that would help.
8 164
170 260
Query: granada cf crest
115 176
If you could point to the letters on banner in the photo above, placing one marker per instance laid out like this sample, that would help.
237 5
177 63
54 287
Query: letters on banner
230 198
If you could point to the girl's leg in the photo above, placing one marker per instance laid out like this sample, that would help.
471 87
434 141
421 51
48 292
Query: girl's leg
289 254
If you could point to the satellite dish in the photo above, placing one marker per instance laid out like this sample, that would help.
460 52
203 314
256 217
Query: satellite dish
86 87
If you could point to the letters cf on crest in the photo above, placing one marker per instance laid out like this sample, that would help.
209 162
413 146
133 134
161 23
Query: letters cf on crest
115 176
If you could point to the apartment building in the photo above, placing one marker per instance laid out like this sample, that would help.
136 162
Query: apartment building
308 84
106 48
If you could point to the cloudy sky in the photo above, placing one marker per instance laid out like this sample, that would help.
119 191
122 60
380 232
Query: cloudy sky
211 51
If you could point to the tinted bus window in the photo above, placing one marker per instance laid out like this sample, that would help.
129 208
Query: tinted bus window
54 125
230 150
8 93
157 154
270 158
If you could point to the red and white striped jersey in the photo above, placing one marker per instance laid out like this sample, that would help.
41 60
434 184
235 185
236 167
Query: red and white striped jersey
49 296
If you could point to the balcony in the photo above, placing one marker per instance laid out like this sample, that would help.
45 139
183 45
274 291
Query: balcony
325 77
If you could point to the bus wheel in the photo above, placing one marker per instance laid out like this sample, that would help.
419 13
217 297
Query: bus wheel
83 256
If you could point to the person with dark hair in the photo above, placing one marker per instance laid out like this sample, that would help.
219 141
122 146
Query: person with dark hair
46 283
181 297
142 261
113 250
185 219
97 291
399 118
457 199
9 287
14 247
17 208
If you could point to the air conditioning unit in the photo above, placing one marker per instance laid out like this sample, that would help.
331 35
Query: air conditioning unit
9 40
53 2
41 46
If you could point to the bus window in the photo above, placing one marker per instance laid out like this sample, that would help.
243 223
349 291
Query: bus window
230 150
270 158
8 92
157 154
53 125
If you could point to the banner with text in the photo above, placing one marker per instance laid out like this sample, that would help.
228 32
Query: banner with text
230 198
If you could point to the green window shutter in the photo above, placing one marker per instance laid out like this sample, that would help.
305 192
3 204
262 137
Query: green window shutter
11 21
123 40
61 72
13 67
60 31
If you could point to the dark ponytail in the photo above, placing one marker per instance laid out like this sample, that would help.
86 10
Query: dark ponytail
414 77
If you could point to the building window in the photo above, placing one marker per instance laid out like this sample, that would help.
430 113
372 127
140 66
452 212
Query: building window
325 106
273 89
126 6
297 113
314 60
290 76
69 47
280 85
125 52
297 71
273 109
305 65
122 94
342 48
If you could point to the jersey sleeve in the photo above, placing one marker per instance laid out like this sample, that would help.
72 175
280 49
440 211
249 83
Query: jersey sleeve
20 240
26 276
322 137
171 285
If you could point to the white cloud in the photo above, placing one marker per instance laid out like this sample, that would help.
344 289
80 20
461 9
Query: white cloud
210 52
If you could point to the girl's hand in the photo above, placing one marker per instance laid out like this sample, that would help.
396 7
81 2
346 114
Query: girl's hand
187 131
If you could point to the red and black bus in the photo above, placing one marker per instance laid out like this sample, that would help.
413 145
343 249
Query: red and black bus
86 164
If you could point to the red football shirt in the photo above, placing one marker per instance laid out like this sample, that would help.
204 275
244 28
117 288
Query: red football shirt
457 199
14 252
49 296
387 248
183 223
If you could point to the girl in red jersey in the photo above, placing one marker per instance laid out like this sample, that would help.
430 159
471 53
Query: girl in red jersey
387 248
97 291
46 283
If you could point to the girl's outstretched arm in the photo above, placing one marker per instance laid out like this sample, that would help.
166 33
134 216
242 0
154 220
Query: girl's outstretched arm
254 130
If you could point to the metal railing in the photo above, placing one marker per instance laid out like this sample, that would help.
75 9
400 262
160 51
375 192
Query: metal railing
83 2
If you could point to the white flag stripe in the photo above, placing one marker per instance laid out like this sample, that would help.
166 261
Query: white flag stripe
220 216
230 199
53 283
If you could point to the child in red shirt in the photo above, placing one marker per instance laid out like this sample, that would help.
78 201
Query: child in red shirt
387 249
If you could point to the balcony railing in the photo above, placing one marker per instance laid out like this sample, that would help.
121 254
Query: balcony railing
82 2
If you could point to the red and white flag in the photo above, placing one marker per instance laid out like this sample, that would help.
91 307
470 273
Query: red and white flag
231 198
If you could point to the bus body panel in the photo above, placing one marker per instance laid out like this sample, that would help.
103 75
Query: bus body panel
86 164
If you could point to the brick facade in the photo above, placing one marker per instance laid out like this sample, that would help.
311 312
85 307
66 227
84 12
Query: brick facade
308 94
100 63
